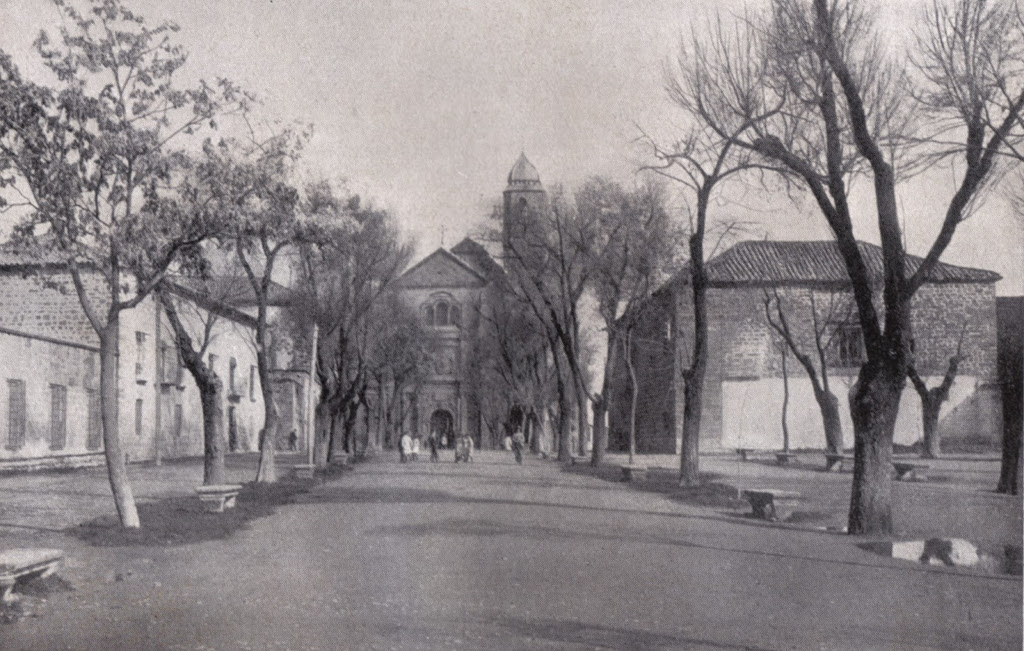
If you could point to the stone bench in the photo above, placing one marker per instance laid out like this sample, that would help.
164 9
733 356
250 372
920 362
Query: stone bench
835 461
785 458
771 504
910 470
744 453
218 497
18 564
631 473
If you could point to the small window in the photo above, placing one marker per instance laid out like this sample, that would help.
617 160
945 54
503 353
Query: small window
211 360
232 367
15 414
430 315
140 353
94 437
455 316
138 417
252 383
177 421
847 349
441 313
58 416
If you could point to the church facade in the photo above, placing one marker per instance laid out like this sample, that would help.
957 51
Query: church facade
452 291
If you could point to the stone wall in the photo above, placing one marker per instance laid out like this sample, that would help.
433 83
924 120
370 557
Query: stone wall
743 388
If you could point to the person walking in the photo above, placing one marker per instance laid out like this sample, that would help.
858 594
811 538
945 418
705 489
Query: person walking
416 448
432 442
405 447
518 443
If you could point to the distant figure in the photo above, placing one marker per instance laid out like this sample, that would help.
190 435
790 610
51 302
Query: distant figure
507 443
405 447
416 448
293 441
432 442
464 449
518 443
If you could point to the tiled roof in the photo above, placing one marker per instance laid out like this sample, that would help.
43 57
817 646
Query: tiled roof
759 262
232 290
474 254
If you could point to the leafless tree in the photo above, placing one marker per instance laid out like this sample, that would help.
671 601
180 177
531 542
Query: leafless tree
850 105
824 326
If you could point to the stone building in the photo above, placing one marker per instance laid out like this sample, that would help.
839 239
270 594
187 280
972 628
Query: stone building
453 292
744 385
49 364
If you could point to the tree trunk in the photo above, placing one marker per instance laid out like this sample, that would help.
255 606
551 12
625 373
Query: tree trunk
693 378
322 433
601 406
633 396
124 501
600 433
1011 381
932 448
213 432
874 404
785 402
828 404
267 472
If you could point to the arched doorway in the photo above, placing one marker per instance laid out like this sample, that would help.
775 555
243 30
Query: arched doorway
443 426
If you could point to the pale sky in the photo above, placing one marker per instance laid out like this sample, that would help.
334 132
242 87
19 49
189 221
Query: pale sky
424 105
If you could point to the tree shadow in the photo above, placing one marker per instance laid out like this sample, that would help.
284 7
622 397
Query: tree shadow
182 520
711 491
595 636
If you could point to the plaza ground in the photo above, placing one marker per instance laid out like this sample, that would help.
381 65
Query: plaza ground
492 555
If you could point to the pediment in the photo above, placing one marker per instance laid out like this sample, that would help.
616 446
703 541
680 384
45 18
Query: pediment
441 269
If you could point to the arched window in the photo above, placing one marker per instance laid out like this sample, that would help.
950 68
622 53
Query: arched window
442 312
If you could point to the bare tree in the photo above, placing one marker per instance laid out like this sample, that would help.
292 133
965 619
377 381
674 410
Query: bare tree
824 326
703 161
90 161
850 107
932 399
348 259
632 244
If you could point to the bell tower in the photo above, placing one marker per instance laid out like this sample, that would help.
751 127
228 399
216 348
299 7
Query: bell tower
525 201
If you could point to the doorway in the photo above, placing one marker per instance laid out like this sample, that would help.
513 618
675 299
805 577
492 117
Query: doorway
443 426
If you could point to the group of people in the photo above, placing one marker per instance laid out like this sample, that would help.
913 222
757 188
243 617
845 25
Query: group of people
409 447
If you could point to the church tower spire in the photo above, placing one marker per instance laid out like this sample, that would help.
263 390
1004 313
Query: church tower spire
525 200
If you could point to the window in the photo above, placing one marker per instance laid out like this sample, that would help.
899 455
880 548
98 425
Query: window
95 425
847 346
140 353
443 313
138 417
58 416
210 362
15 414
232 366
177 421
252 383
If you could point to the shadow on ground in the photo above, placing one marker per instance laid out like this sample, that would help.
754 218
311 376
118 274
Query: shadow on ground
182 520
710 491
603 637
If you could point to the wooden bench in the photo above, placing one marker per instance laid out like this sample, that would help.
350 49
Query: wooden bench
910 470
216 498
785 458
18 564
771 504
631 473
744 453
835 461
